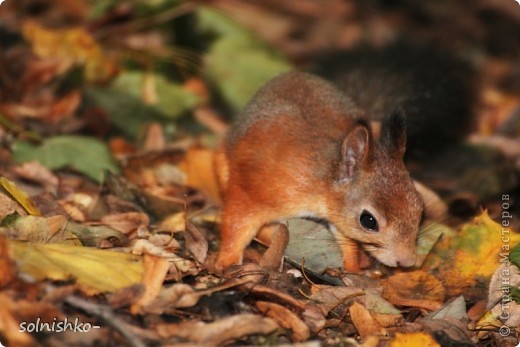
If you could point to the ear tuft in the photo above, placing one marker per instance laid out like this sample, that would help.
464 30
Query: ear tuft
354 151
393 133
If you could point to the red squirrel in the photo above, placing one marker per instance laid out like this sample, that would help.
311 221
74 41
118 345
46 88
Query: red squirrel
302 149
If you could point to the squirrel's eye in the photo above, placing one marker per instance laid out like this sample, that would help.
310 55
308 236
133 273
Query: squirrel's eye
368 221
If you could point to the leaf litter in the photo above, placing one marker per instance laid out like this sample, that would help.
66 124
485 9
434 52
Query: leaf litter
110 208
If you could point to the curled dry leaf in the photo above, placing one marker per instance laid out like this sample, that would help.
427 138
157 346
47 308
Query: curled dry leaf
312 314
196 242
179 267
365 324
155 270
221 331
126 222
286 319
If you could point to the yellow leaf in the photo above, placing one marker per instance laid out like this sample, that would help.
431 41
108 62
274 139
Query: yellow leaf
198 167
20 196
476 253
72 45
413 340
95 270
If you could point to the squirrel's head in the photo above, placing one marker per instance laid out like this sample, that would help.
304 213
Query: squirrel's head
381 207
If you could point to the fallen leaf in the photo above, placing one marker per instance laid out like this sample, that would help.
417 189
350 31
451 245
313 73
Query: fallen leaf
10 325
417 285
365 324
331 297
126 222
155 270
196 242
315 242
453 309
7 265
197 165
36 172
87 155
95 270
413 340
168 97
20 196
286 319
117 104
40 230
252 65
9 207
476 254
74 45
221 331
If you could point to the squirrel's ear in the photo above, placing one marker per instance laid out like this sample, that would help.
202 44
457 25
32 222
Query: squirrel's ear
393 133
354 151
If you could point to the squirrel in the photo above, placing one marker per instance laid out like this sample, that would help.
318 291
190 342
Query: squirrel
302 148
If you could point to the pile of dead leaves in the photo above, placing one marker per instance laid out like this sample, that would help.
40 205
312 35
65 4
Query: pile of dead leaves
109 209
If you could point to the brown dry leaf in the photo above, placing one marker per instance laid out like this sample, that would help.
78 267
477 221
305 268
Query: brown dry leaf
64 107
9 206
413 340
75 46
181 295
286 319
127 222
451 331
10 326
365 324
312 314
155 270
196 242
331 297
36 172
7 265
416 288
219 332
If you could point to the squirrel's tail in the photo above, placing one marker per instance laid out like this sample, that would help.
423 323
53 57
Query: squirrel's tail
435 89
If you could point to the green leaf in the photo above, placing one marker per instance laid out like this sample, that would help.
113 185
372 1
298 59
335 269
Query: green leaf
315 243
173 99
238 63
86 155
129 114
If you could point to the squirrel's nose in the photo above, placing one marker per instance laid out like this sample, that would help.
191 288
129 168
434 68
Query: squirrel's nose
406 260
